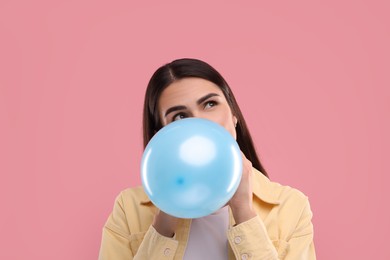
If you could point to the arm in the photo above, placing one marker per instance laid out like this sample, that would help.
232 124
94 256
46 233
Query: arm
249 238
301 245
119 243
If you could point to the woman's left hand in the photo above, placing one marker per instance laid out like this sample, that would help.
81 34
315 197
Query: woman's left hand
241 203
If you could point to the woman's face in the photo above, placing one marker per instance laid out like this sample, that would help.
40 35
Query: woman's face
196 97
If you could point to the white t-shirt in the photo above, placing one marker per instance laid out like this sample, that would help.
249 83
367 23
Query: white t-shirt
208 239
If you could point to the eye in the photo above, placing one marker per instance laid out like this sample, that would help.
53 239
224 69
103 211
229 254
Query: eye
210 104
178 116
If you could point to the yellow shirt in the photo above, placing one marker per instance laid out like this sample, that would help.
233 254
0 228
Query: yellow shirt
282 228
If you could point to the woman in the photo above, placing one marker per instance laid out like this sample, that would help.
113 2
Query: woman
263 220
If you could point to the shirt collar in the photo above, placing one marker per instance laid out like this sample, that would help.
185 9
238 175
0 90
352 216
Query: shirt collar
145 199
263 188
261 185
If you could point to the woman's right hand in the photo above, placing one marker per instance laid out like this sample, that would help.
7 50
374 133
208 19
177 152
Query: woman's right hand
165 224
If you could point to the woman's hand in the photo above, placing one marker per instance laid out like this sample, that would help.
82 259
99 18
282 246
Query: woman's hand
165 224
241 203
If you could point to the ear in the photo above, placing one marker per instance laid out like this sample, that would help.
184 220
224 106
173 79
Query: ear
235 121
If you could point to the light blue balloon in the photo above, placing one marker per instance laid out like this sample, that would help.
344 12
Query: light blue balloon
191 168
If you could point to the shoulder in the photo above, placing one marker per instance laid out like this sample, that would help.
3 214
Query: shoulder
289 194
288 207
133 209
275 193
133 193
132 197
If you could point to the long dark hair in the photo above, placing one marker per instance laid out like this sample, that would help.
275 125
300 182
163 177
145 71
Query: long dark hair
184 68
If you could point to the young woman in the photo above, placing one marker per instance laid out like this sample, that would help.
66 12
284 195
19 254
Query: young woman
263 220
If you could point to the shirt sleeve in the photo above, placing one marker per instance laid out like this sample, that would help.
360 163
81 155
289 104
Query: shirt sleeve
301 244
250 240
120 244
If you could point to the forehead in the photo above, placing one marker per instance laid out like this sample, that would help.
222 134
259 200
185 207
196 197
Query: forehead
187 90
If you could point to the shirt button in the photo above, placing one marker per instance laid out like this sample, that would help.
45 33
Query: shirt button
237 240
167 251
244 256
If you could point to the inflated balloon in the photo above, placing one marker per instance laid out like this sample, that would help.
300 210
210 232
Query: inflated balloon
191 168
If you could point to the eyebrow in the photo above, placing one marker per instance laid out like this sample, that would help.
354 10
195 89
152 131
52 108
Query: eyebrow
199 101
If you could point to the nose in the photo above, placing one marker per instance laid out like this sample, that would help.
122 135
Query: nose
198 114
201 114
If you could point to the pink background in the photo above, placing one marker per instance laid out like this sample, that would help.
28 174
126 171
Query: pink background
312 80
